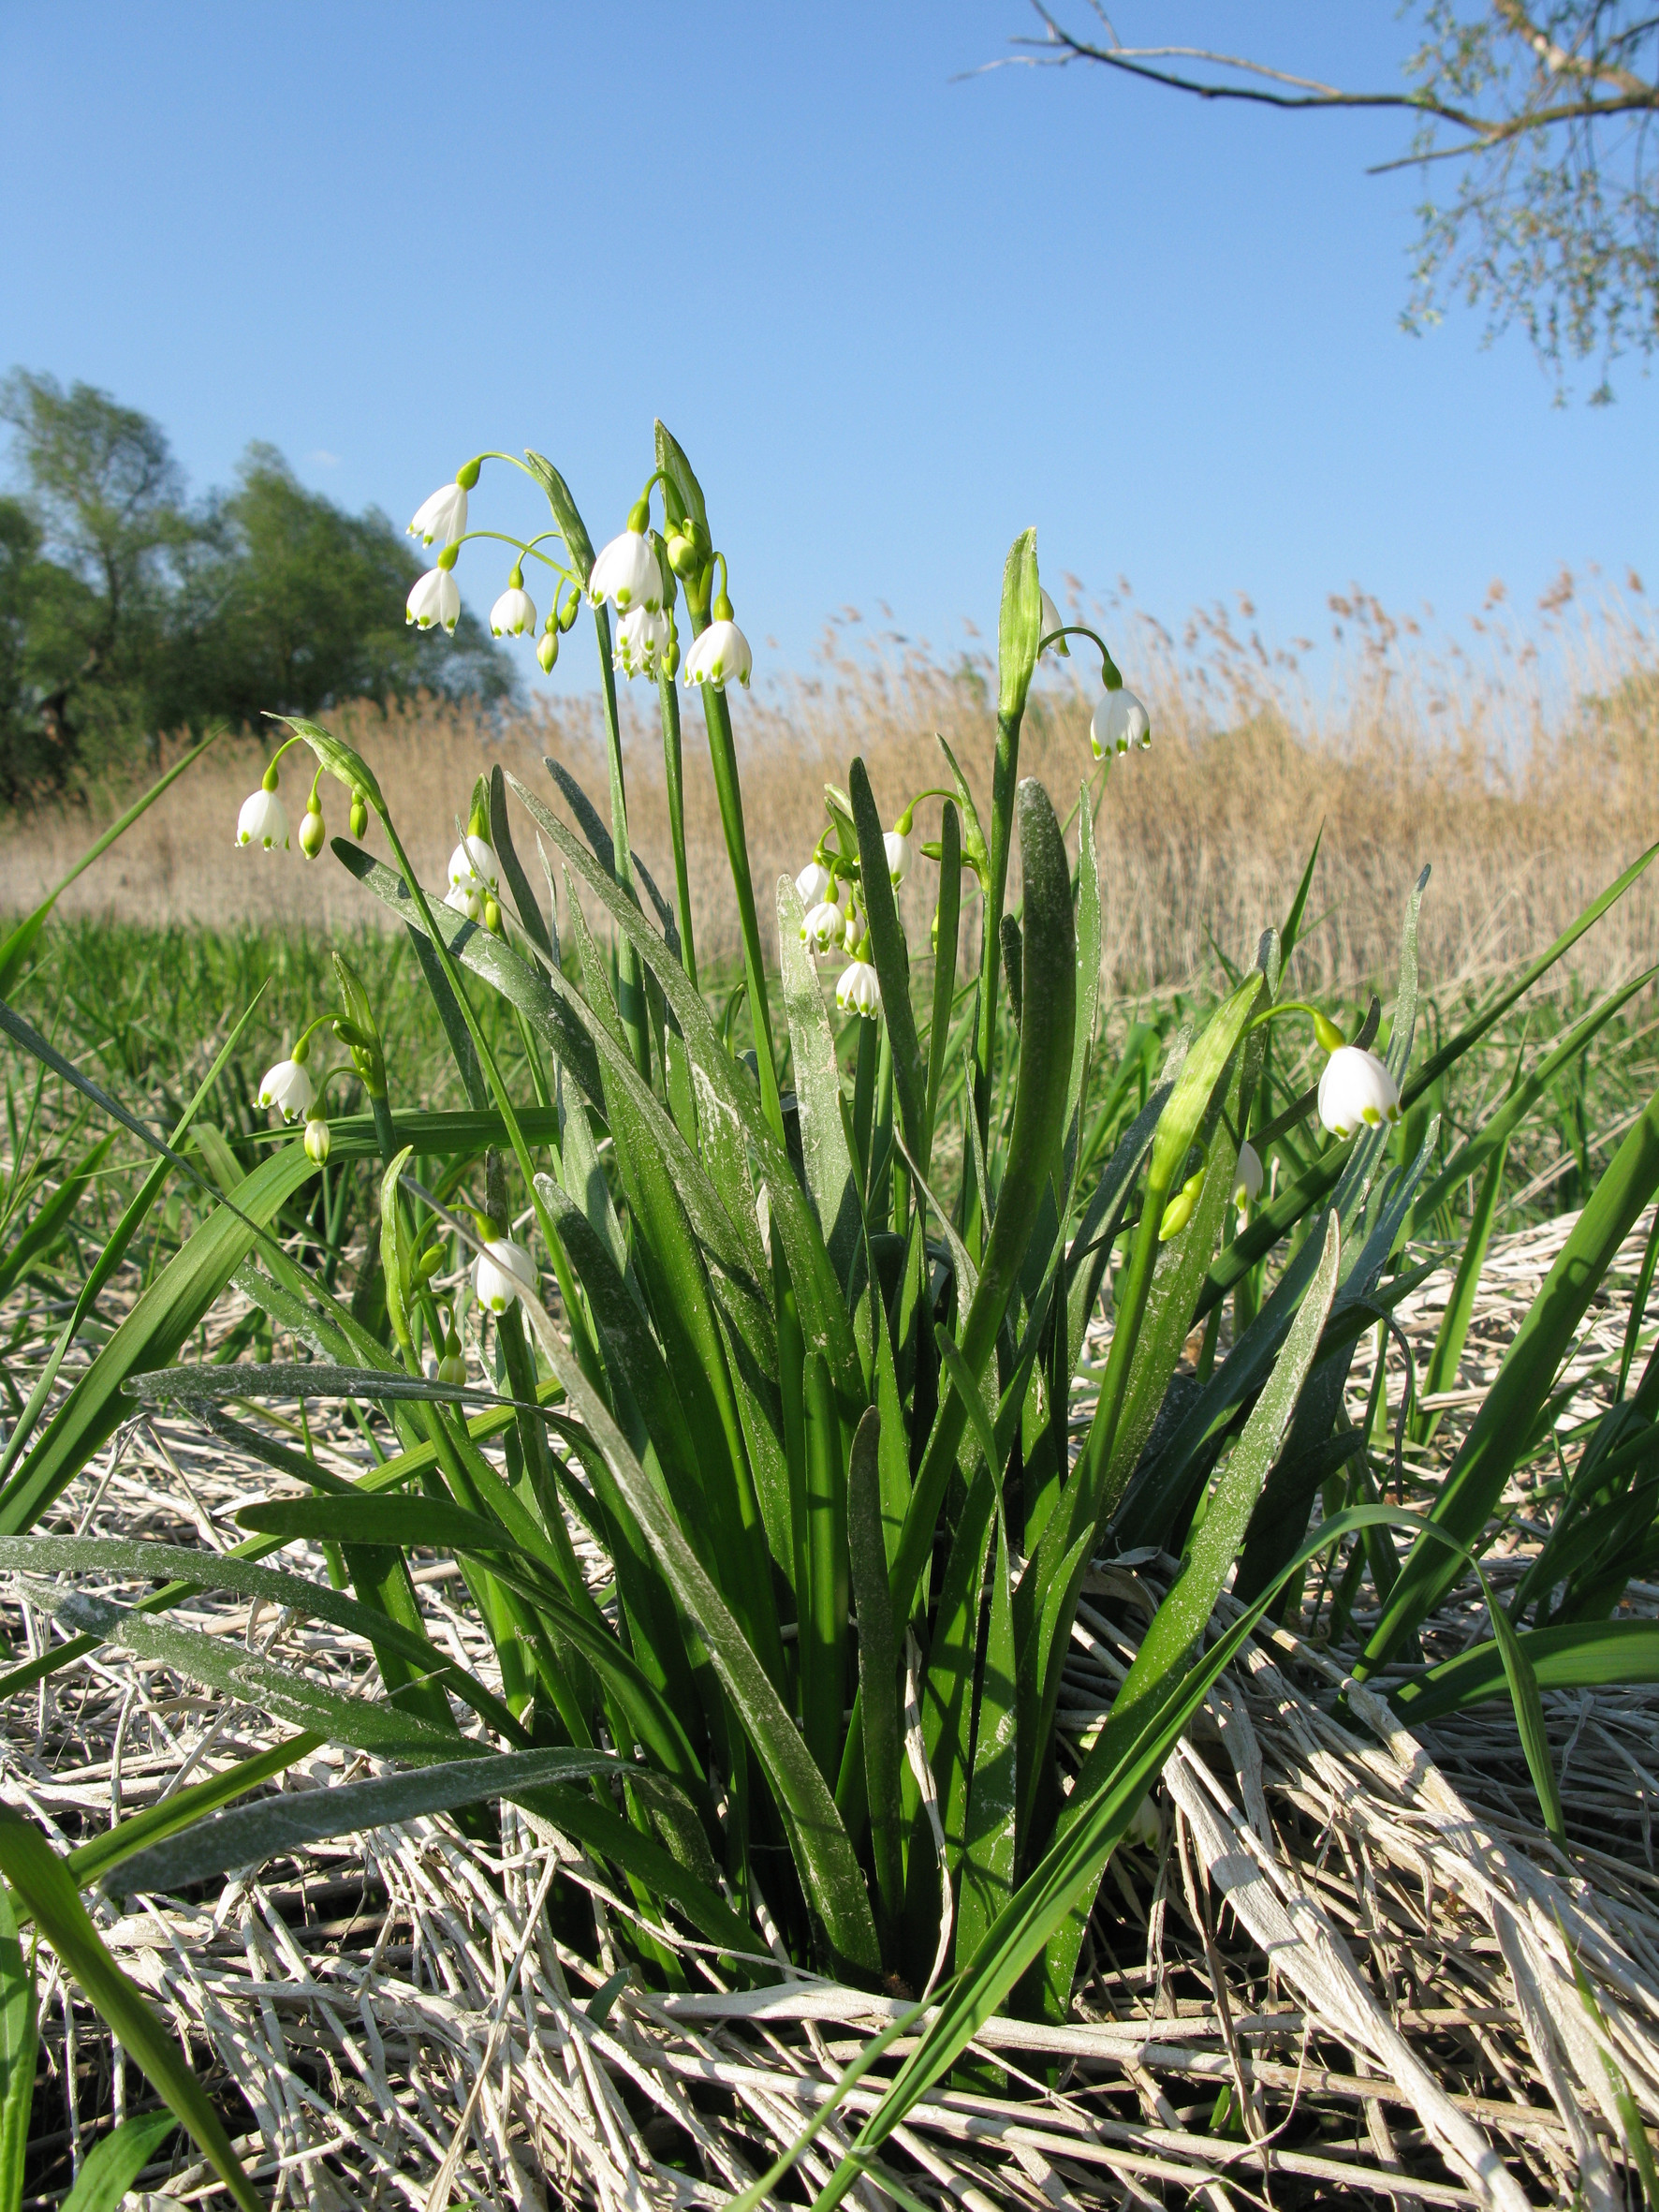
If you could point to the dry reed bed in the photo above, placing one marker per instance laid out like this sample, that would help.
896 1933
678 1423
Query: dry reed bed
1362 1935
1524 808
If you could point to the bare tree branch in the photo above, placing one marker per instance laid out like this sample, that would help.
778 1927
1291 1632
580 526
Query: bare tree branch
1546 107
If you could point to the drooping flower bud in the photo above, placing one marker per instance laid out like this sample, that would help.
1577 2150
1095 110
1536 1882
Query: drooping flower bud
289 1087
1052 620
721 653
434 599
898 852
312 831
502 1270
513 615
859 991
825 926
547 650
316 1138
1247 1176
1356 1090
626 573
263 821
642 637
360 813
1120 725
443 515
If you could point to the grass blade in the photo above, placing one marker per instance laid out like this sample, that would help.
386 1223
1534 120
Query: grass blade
19 2042
112 2166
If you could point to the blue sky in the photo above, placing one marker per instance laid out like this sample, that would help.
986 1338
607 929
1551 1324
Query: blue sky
892 316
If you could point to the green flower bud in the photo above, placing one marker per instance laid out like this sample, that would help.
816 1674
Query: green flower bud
547 650
1330 1037
316 1138
312 831
430 1263
492 918
360 813
567 612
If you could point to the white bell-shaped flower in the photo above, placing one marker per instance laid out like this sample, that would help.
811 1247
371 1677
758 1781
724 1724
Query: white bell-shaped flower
898 851
513 615
1247 1176
472 865
442 516
825 926
814 884
263 821
289 1087
627 572
462 900
642 640
719 655
1357 1088
1052 620
859 991
502 1270
1120 725
434 600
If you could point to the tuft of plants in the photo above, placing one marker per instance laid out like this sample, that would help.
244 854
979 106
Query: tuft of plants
780 1312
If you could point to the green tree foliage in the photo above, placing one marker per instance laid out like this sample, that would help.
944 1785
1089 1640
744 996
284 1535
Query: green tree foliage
125 610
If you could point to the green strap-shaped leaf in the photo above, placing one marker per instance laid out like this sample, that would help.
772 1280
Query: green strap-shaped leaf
830 1872
1502 1427
893 963
41 1880
112 2166
824 1152
19 2042
822 1300
1034 1142
151 1335
1178 1623
1575 1655
878 1662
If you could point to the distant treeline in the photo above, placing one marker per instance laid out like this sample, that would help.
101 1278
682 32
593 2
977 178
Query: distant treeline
127 609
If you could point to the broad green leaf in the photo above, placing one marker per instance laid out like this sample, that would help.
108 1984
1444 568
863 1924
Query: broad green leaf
112 2167
45 1885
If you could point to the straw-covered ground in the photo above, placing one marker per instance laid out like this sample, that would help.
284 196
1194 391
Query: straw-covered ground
1338 1967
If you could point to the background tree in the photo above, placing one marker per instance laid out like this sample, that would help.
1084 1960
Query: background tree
1540 118
126 610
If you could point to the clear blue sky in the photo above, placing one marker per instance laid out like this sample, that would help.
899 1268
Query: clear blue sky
892 316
